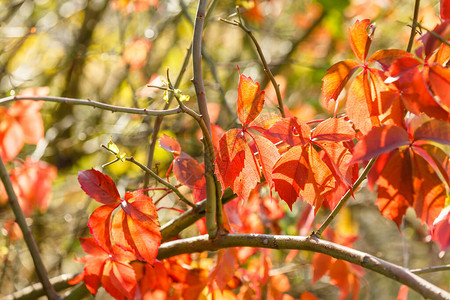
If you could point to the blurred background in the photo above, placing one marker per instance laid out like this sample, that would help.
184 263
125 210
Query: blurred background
110 50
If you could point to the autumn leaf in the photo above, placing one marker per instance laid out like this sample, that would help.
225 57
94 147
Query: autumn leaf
336 78
290 130
225 267
301 172
99 187
335 130
134 227
170 144
440 230
108 268
135 54
21 123
360 38
250 100
344 275
32 182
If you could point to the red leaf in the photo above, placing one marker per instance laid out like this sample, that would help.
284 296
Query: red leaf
395 190
360 38
290 130
339 276
250 100
440 83
32 183
230 157
301 172
119 279
170 144
387 56
435 131
187 170
440 231
335 130
308 296
321 265
403 293
378 141
110 268
135 54
429 191
99 186
356 105
11 136
143 227
100 225
268 155
445 10
249 176
336 78
225 268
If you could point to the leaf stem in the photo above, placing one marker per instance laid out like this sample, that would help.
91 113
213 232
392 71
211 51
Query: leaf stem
413 25
162 181
27 235
104 106
346 196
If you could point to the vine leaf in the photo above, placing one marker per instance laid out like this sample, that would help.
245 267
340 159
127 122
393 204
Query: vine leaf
250 100
135 227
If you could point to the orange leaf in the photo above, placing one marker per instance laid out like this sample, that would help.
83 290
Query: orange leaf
360 38
395 190
268 155
32 183
403 293
100 225
339 276
335 130
378 141
321 265
301 172
440 83
250 100
336 78
249 176
225 268
11 136
187 170
308 296
290 130
356 105
230 157
170 144
135 54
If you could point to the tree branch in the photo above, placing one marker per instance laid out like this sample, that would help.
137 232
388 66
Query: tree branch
211 182
413 25
397 273
104 106
27 235
431 269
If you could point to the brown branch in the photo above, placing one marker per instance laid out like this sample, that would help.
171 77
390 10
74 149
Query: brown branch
413 26
368 261
27 235
104 106
431 269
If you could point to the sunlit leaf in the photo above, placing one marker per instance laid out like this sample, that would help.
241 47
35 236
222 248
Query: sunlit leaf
250 100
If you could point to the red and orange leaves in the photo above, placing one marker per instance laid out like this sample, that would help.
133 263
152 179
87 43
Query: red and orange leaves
241 155
134 229
21 123
411 171
32 183
303 172
186 169
346 276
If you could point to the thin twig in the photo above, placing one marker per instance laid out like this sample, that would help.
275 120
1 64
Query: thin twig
162 181
413 26
27 235
159 119
104 106
368 261
431 269
346 197
263 61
